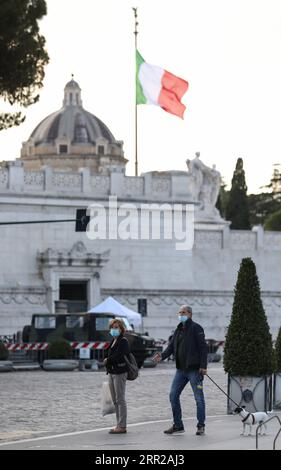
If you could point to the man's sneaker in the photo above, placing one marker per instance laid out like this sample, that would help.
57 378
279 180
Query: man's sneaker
174 430
200 431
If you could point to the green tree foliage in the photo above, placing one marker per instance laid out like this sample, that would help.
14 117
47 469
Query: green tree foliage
4 353
222 200
278 351
273 222
266 204
237 210
275 182
261 206
22 55
248 346
60 349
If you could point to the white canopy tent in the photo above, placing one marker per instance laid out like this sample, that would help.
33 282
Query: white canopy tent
110 305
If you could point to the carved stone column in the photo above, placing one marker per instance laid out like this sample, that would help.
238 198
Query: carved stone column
96 290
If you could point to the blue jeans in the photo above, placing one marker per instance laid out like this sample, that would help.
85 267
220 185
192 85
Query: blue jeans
180 380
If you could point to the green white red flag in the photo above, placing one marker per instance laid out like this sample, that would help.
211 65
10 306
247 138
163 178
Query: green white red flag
155 85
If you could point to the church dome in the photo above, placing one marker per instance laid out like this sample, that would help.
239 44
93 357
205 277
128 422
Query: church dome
71 122
72 138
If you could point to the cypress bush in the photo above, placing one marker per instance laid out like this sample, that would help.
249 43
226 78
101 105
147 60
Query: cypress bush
278 351
4 353
237 210
248 347
60 349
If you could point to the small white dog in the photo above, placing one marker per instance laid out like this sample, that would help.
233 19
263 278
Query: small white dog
250 419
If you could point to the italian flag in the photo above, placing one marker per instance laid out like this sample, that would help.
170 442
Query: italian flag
155 85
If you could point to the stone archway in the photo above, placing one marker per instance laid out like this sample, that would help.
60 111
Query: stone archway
75 264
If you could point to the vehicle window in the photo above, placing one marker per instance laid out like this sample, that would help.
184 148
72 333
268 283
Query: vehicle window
74 322
45 322
102 323
126 323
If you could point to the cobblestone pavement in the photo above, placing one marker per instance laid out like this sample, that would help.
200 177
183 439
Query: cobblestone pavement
40 403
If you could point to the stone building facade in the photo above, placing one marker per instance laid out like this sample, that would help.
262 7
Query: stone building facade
45 262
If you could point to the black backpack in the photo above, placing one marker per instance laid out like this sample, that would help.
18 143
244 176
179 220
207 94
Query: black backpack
133 371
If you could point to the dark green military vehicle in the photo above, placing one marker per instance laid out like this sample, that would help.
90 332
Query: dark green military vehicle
79 328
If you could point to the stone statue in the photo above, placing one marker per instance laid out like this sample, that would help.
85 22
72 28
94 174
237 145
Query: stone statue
196 174
216 185
206 184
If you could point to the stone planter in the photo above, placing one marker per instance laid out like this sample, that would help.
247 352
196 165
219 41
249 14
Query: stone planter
90 365
255 393
26 367
6 366
60 365
277 391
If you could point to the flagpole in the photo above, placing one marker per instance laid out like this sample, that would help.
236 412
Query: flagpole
136 107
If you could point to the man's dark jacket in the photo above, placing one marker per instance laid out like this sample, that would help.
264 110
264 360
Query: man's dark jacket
195 345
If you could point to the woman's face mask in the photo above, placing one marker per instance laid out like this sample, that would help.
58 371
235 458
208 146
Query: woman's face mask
115 332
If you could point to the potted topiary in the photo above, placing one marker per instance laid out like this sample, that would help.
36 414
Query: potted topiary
5 365
277 374
248 353
60 356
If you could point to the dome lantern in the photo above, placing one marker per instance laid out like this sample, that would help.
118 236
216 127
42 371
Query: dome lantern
72 94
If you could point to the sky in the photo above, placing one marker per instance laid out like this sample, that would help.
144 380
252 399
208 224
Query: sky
228 50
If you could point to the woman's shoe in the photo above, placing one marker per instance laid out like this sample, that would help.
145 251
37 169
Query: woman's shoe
118 431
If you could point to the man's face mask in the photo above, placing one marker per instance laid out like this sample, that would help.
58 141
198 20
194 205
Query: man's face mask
182 318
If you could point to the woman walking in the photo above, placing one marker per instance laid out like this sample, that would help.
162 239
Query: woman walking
117 369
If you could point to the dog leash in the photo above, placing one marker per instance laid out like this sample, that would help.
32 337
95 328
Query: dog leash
222 390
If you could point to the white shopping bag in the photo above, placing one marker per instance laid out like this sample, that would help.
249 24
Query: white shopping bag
107 404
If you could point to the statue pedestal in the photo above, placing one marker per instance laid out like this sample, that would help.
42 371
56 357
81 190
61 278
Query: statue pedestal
209 215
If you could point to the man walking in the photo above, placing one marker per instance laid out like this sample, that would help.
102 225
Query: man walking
190 351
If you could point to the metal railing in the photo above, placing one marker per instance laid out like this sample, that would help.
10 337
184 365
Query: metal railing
262 424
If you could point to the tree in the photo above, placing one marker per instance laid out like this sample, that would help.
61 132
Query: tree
237 210
275 182
22 55
261 206
273 222
265 204
248 346
4 353
222 200
60 349
278 351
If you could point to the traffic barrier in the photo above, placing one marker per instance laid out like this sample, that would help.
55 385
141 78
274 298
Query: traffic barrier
27 346
6 366
95 345
38 352
44 346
